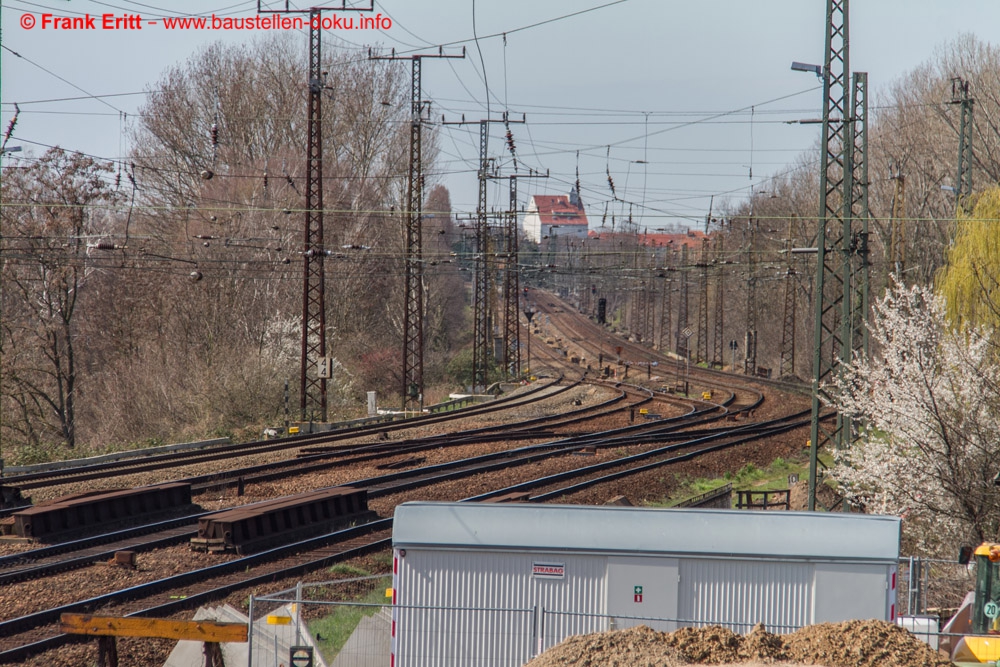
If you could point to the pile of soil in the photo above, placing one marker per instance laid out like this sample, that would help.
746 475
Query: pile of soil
847 644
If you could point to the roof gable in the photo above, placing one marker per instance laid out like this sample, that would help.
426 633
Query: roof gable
557 210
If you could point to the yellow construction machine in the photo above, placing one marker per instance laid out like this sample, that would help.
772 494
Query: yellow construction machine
978 620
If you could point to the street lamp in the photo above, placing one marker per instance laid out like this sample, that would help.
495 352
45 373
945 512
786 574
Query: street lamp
823 76
806 67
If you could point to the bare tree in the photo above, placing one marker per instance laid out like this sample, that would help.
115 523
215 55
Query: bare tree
220 156
52 209
915 135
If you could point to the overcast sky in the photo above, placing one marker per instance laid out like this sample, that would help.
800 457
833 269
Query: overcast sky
680 101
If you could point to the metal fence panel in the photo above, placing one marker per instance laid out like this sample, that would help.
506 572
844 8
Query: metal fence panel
276 628
346 622
515 615
447 637
926 584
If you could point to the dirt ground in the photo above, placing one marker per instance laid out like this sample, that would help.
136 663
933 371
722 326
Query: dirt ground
847 644
825 496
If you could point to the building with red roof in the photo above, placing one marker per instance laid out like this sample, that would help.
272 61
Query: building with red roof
691 238
560 216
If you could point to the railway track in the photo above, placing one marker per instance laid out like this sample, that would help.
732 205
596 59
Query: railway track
580 330
326 455
574 330
34 633
681 437
45 561
25 635
42 479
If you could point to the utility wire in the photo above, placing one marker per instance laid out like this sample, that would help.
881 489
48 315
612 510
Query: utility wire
481 61
66 81
530 26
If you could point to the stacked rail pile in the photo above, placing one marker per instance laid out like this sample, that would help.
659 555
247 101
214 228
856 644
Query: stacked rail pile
254 527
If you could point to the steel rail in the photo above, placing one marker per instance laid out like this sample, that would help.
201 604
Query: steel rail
584 338
444 471
777 427
26 623
31 557
174 459
392 483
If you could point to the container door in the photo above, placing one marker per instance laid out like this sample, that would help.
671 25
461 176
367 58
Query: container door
642 591
843 592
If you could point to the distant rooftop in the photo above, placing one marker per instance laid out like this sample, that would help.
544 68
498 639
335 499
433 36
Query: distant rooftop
558 209
691 239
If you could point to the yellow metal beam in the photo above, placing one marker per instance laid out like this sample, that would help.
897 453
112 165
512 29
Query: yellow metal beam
111 626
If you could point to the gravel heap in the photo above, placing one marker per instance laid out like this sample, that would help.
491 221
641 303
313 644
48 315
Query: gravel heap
847 644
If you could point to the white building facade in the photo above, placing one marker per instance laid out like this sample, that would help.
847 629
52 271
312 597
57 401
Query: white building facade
555 217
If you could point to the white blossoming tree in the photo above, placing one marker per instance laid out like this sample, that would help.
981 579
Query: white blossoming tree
929 404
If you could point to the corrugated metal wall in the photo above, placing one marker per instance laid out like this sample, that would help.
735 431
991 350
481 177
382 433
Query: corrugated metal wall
486 586
778 594
480 608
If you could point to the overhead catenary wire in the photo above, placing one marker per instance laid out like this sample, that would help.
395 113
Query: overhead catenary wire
64 80
488 96
228 205
538 155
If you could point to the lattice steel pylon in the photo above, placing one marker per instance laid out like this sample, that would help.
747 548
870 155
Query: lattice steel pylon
639 295
413 282
702 349
963 182
666 308
312 385
897 234
648 303
636 305
718 336
840 294
750 328
511 283
786 366
481 303
412 390
682 307
860 217
481 339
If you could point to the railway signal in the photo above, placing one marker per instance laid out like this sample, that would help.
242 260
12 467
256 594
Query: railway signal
529 314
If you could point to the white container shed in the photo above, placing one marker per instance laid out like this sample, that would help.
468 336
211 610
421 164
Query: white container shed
494 584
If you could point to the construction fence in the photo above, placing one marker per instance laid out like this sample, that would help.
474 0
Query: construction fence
929 586
350 623
342 622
